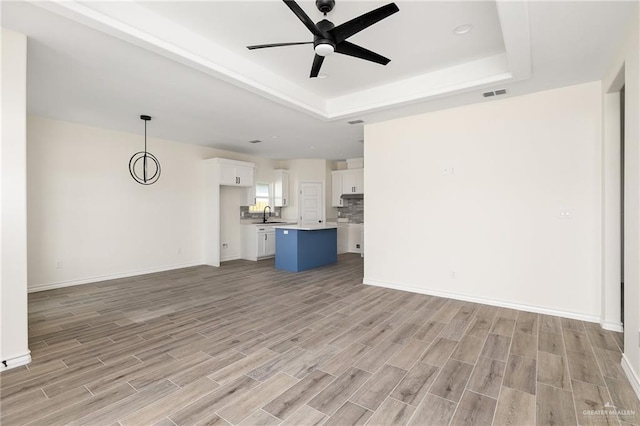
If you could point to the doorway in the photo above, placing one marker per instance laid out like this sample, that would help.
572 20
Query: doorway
311 203
613 206
622 181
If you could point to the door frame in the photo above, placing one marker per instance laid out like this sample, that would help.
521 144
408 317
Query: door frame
612 251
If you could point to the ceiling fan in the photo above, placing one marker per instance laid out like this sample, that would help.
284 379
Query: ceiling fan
327 38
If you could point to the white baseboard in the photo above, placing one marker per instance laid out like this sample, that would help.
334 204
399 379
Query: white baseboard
612 326
485 301
631 375
16 361
89 280
226 259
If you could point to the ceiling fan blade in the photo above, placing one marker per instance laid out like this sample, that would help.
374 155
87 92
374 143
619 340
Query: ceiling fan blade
356 51
303 17
263 46
349 28
315 68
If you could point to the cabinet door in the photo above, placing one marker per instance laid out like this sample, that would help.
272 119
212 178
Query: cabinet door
270 244
244 176
353 182
336 190
281 188
350 182
285 192
359 181
250 196
343 238
228 174
261 244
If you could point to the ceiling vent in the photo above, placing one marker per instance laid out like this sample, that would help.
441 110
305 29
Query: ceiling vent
255 141
495 93
356 122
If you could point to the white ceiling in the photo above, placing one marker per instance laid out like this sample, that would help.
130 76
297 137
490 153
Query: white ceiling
185 64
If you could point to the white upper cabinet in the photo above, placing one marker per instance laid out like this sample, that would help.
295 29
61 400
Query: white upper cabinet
336 189
353 181
236 173
281 188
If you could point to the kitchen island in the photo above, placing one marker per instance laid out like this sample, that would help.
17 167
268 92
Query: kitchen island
299 247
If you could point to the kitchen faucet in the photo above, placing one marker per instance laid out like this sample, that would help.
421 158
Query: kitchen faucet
264 214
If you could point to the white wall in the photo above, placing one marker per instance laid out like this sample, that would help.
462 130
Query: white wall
495 223
13 249
86 212
629 57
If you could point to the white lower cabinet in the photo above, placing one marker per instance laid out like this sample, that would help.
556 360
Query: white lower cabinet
266 243
258 242
343 238
355 238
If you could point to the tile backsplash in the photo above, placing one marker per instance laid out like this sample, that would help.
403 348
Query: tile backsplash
353 209
245 214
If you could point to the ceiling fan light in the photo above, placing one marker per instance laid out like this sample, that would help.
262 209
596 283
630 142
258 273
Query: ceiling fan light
324 49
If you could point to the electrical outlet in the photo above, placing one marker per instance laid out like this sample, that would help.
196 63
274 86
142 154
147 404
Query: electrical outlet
453 275
179 250
357 246
448 170
225 245
58 264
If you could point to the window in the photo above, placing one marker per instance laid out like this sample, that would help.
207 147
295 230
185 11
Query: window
262 198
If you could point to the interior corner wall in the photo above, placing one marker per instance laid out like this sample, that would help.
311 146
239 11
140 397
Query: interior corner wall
14 348
629 57
501 202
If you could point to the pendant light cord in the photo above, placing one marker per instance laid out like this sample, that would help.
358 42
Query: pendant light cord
145 136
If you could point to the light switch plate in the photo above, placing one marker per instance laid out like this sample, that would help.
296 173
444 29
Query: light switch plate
565 214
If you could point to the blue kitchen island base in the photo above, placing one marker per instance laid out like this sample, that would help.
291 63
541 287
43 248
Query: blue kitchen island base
299 249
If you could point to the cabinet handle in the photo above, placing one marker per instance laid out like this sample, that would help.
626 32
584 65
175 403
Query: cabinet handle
265 237
284 203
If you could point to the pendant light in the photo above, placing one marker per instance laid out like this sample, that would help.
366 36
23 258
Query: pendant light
144 166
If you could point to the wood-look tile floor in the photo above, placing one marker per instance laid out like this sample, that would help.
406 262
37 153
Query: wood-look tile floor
245 344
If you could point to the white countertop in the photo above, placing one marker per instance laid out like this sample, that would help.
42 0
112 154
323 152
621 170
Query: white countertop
306 227
268 223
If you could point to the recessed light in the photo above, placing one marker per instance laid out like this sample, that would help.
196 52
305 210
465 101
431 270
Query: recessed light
462 29
275 137
312 147
323 75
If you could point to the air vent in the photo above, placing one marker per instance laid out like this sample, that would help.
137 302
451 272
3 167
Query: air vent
356 122
255 141
495 93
